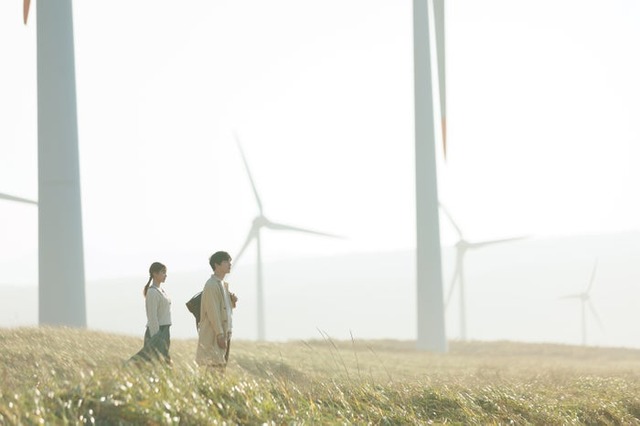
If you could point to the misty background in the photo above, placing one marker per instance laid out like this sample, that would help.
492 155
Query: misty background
543 142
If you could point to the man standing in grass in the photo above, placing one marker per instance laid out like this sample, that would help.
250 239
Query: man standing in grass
216 315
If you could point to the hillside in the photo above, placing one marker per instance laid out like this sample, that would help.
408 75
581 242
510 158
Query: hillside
512 293
57 376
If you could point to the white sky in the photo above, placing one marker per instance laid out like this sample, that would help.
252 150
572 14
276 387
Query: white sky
544 134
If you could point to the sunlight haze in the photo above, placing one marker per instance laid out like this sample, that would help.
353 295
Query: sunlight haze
543 141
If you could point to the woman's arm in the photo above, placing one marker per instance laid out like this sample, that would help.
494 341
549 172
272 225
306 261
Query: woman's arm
152 303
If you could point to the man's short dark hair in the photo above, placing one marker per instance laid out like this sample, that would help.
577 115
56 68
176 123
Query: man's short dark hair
217 258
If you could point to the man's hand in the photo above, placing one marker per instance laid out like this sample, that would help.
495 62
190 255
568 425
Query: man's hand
222 341
234 299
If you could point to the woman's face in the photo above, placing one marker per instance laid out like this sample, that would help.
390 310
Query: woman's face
160 276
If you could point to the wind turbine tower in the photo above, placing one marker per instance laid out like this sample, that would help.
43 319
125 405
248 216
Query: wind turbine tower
260 222
60 246
430 305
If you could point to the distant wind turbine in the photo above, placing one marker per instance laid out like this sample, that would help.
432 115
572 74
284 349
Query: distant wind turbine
61 289
430 305
259 222
585 300
462 246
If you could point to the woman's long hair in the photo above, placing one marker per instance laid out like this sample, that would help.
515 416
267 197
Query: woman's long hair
153 269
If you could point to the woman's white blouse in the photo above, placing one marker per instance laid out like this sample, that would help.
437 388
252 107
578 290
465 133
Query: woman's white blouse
158 309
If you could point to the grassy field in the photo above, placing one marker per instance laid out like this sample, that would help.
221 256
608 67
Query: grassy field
65 376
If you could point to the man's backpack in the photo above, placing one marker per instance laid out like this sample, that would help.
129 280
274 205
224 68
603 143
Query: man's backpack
193 305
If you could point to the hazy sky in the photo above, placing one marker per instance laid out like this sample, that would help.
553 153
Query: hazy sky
543 107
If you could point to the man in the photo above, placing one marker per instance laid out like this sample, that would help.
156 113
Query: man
216 315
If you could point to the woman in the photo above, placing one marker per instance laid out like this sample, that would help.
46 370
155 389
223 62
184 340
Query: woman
158 307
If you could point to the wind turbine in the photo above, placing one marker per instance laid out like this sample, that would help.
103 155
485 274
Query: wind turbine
430 306
259 222
60 251
585 300
462 246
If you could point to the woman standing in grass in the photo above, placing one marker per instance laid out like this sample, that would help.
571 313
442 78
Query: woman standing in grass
158 307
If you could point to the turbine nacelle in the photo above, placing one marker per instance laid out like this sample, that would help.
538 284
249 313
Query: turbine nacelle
260 221
463 244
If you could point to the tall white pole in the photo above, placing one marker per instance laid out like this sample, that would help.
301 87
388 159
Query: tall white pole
260 291
431 326
463 307
61 263
584 322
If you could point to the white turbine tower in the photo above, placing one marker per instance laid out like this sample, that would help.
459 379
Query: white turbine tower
462 246
259 222
60 249
430 306
585 300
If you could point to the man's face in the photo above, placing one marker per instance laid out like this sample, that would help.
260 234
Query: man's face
225 266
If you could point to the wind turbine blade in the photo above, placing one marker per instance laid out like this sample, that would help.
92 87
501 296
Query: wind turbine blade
571 296
452 286
453 222
595 314
593 276
438 13
18 199
282 227
25 10
492 242
246 166
250 236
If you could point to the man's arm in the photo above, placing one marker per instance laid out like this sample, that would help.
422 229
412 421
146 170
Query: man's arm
211 306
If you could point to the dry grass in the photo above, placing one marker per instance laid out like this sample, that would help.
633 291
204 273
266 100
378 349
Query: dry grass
65 376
